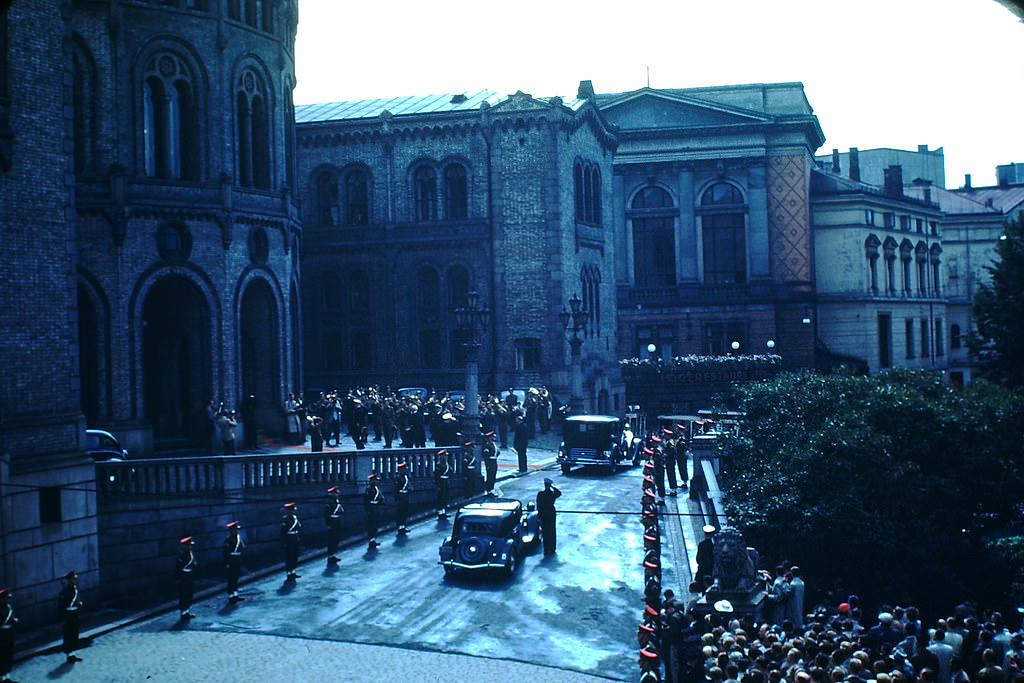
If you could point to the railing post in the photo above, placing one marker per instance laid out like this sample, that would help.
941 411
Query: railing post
233 477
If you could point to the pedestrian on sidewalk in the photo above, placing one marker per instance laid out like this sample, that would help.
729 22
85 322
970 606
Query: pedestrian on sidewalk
546 512
70 604
403 487
373 499
333 511
290 528
184 574
234 546
7 622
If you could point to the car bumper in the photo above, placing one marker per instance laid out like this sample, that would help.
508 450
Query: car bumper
492 564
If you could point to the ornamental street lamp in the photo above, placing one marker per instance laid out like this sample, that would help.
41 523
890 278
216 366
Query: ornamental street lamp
472 319
575 320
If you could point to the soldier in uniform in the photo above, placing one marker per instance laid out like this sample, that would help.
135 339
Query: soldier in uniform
233 548
373 499
333 511
290 528
706 555
546 512
668 448
520 436
184 574
442 473
403 487
490 455
7 622
70 604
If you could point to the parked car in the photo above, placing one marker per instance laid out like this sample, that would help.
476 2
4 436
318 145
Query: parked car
597 440
491 534
103 446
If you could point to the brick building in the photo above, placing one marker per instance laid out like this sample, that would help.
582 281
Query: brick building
411 203
150 259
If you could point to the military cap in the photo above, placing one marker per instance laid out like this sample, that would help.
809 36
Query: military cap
187 539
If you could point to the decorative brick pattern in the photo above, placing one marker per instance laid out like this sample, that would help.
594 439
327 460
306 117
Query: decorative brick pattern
789 224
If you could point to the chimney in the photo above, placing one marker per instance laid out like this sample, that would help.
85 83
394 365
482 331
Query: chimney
854 164
585 91
922 148
894 181
835 161
967 181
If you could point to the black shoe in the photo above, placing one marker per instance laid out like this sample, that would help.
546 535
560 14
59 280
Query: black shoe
73 658
333 560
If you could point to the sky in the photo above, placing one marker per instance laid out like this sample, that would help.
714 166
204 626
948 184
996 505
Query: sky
878 73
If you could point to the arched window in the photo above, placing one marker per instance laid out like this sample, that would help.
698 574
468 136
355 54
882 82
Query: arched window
871 245
889 248
653 217
356 198
429 310
935 258
722 219
590 285
921 257
84 92
170 140
424 181
587 187
252 131
456 192
906 253
325 198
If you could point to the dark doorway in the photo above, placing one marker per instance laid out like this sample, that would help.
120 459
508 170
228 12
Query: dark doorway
176 359
260 357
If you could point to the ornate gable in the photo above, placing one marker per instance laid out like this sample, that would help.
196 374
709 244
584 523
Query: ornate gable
649 109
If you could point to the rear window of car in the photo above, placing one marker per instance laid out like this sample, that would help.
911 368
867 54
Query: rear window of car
485 526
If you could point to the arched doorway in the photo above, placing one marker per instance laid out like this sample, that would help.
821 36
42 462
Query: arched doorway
176 359
260 355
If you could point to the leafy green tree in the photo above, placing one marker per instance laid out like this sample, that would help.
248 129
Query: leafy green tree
882 481
998 338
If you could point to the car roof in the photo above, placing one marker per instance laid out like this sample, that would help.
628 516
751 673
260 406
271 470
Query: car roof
592 418
497 506
99 432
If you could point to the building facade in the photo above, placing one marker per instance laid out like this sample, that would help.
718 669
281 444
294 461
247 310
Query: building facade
412 203
151 260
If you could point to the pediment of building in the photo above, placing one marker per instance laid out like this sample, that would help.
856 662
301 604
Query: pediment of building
649 109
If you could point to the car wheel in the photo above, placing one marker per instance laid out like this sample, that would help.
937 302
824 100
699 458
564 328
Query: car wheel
471 550
511 563
565 468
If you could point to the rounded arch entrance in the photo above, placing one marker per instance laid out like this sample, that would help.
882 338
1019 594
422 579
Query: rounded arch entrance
260 350
176 365
94 354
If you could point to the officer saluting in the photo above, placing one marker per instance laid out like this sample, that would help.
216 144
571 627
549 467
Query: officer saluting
403 487
546 512
184 568
290 527
70 604
233 548
490 455
333 511
373 498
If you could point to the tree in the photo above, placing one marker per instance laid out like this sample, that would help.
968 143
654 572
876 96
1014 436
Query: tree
998 338
884 481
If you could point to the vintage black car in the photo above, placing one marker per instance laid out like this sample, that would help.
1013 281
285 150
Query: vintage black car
597 440
491 534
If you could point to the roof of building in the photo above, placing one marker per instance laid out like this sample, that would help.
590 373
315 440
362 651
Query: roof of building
408 106
950 202
824 182
1003 198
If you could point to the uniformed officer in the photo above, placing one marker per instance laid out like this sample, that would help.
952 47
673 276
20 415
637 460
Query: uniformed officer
403 487
373 499
7 622
706 554
70 604
658 458
668 447
333 511
442 473
184 573
490 455
546 512
290 528
234 546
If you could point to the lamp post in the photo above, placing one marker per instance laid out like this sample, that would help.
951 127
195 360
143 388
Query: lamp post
575 320
473 320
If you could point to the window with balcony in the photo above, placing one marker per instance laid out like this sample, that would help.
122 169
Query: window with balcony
722 210
652 214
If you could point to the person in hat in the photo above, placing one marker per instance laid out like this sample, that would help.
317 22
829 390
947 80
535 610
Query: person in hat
373 499
520 436
442 474
7 622
184 574
70 603
333 510
546 512
234 546
290 528
489 452
403 487
706 554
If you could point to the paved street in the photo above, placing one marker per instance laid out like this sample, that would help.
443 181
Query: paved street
569 617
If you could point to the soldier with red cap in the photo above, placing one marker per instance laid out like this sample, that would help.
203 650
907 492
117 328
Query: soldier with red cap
333 511
373 499
234 546
442 473
7 622
69 603
184 573
489 452
403 487
290 528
